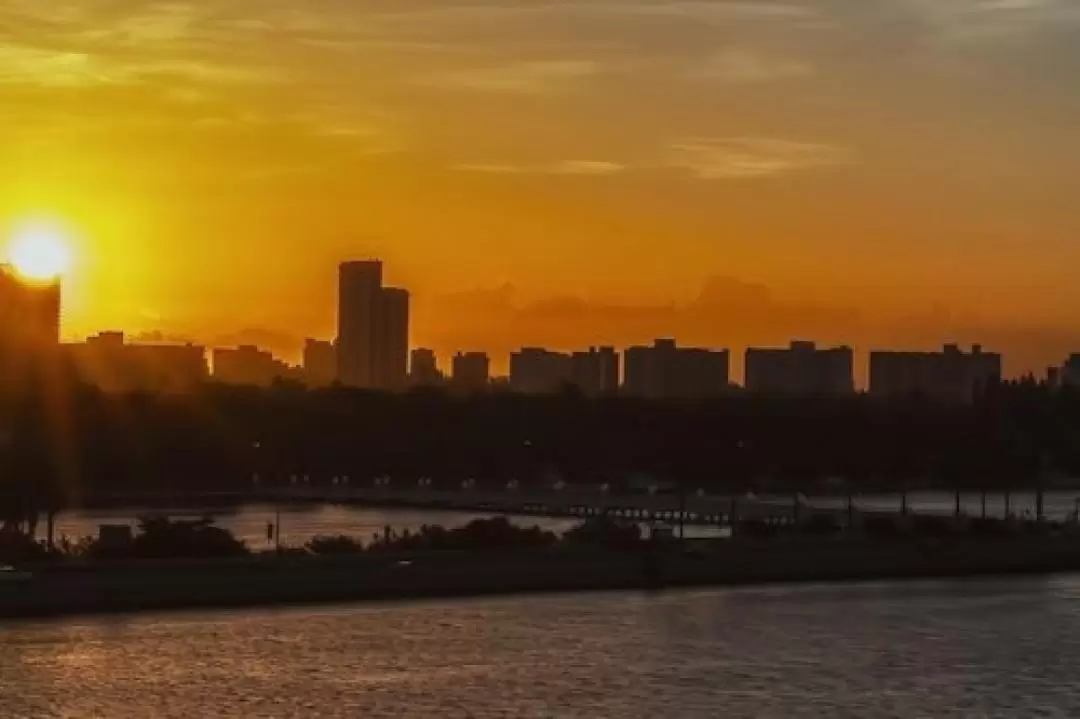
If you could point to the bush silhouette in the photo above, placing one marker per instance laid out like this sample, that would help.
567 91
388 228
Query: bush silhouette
330 545
604 532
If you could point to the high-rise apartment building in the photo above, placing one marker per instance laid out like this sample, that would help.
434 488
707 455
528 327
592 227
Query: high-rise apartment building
392 339
29 325
666 370
801 369
359 288
424 368
596 371
471 371
320 363
29 310
534 370
373 328
1069 375
951 375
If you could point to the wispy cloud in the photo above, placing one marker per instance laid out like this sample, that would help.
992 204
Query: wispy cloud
21 65
565 167
533 77
746 66
698 11
970 22
735 158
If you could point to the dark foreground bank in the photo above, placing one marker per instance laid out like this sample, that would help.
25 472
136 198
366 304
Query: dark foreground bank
101 587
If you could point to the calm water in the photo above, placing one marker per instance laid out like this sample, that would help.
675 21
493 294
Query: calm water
972 649
298 525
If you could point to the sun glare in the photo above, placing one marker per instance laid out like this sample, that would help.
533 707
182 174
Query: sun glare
40 252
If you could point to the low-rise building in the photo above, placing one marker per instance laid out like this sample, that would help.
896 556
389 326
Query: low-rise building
108 362
247 364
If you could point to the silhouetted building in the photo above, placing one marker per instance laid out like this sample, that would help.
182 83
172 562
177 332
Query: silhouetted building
29 324
1070 372
248 364
596 371
950 375
373 328
359 287
801 369
109 363
534 370
392 342
424 368
666 370
471 371
320 363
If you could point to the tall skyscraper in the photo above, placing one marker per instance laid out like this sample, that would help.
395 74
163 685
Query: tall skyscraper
373 328
359 287
29 310
392 339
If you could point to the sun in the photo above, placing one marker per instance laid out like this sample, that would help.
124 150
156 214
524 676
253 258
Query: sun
40 252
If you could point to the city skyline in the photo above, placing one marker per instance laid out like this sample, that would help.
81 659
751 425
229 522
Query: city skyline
897 165
502 319
372 349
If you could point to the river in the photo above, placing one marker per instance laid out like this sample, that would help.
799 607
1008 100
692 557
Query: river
998 648
301 523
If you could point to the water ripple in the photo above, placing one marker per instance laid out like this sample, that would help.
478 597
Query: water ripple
941 649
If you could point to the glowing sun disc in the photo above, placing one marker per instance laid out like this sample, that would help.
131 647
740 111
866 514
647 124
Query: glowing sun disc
40 253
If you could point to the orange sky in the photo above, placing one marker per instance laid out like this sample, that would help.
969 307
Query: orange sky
878 172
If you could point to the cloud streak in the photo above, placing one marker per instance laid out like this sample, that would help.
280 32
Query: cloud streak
531 77
743 158
565 167
746 66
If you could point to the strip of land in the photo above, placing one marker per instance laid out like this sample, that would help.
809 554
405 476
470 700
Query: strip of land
93 587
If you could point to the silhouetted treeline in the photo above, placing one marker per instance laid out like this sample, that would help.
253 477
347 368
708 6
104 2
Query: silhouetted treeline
62 442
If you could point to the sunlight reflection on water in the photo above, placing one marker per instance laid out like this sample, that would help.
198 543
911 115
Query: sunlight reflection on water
964 649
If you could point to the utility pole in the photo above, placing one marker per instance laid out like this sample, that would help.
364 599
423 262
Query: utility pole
277 529
682 512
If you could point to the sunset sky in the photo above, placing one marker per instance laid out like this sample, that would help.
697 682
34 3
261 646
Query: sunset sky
878 172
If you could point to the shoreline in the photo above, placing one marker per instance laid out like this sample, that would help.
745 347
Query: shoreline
137 586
